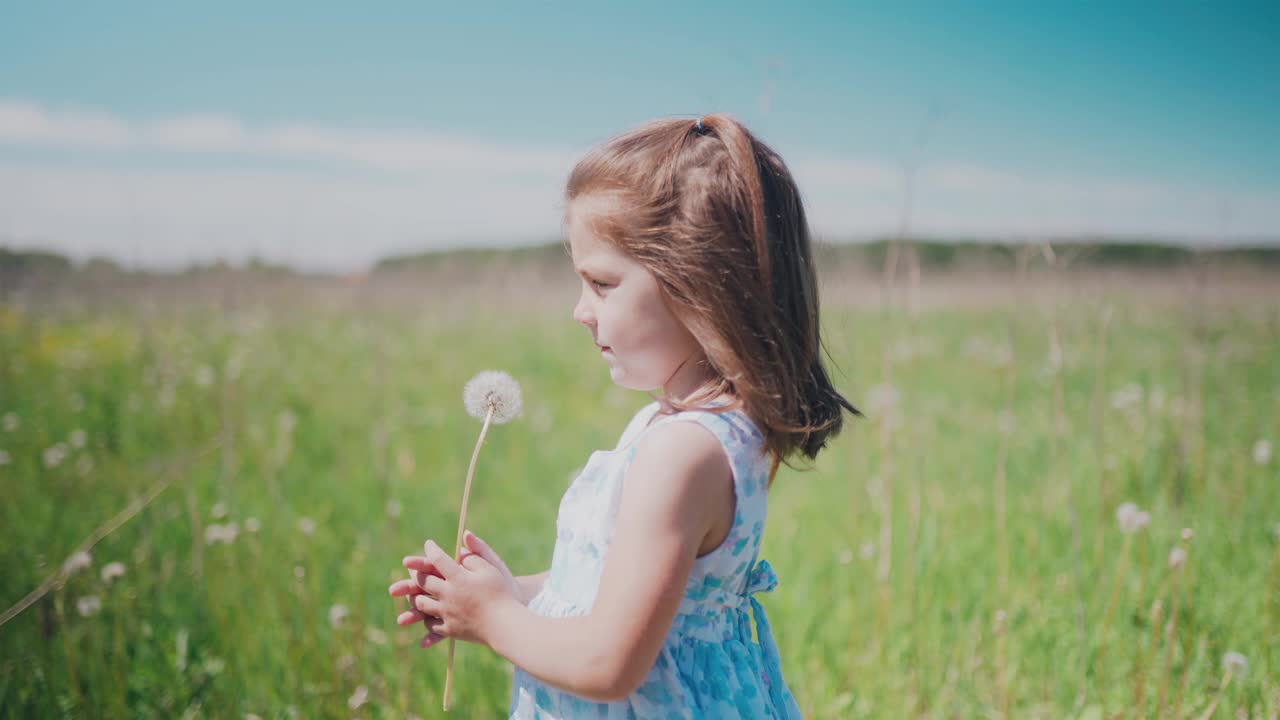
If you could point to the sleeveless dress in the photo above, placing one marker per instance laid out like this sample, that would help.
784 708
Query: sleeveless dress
710 665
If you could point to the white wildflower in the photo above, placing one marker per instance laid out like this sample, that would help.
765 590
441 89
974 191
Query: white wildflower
4 458
1187 534
111 571
1262 452
1177 557
78 438
846 556
307 526
299 572
1131 519
375 636
79 560
337 614
54 456
251 525
221 533
492 390
213 665
88 605
11 422
219 510
344 662
393 508
358 698
1235 663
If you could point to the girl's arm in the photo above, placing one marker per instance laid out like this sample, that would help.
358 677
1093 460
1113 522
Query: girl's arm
669 498
530 585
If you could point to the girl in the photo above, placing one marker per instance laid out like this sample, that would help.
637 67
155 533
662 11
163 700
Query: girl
697 277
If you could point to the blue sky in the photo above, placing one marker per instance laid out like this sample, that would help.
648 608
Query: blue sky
159 134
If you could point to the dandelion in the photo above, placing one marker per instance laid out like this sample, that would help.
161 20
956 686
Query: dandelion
54 456
1262 452
88 605
375 636
846 556
882 398
337 614
492 396
1177 557
221 533
1131 519
299 572
251 525
111 571
307 526
1235 663
78 438
1126 397
204 376
393 508
11 422
358 698
4 458
79 560
213 665
84 465
219 510
1187 534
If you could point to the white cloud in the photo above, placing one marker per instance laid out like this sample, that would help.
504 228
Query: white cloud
369 193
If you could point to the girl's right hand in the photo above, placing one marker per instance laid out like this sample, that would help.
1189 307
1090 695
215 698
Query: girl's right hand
411 588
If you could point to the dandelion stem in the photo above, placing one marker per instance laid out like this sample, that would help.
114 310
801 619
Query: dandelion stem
462 524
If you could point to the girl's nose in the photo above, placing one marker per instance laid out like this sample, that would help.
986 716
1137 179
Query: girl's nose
582 313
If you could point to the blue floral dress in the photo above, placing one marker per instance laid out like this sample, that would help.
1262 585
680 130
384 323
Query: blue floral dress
710 665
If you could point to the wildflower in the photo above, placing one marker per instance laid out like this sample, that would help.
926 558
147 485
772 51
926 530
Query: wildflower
111 571
375 636
54 456
78 561
344 662
1177 556
393 508
1262 452
11 422
1126 397
251 525
1131 519
358 698
1187 534
4 458
213 665
219 510
88 605
492 390
299 572
1235 663
204 376
84 465
846 556
307 526
337 614
221 533
78 438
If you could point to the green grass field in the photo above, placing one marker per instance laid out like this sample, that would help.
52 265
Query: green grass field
955 555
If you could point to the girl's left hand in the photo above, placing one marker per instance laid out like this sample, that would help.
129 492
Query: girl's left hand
464 593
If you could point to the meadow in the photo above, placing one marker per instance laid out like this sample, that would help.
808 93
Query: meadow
966 551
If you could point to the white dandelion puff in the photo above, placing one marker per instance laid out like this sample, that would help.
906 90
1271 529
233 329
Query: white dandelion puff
375 636
1177 557
4 458
11 422
358 698
251 525
1126 397
846 556
307 526
78 438
492 390
1262 452
88 605
338 613
111 571
1187 534
204 376
54 456
221 533
1235 663
1130 518
219 510
299 572
79 560
393 508
213 665
882 398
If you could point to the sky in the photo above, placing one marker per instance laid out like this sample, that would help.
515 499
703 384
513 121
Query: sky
327 136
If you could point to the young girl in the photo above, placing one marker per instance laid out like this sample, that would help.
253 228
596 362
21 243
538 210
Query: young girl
698 278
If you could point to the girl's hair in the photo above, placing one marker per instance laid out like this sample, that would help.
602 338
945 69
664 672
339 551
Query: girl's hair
713 213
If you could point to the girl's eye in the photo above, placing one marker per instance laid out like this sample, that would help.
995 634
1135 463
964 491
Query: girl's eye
600 285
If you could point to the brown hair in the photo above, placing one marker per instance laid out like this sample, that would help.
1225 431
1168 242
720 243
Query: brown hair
713 213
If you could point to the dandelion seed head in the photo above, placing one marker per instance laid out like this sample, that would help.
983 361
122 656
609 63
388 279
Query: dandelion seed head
1130 518
219 510
299 572
221 533
204 376
1177 557
54 456
338 613
88 605
375 636
846 556
111 571
78 438
1187 534
4 458
307 526
11 422
1235 663
251 525
1262 452
79 560
492 389
393 508
358 698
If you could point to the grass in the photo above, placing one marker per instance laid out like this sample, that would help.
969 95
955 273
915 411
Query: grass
953 555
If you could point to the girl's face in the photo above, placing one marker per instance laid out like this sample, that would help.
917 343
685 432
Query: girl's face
645 346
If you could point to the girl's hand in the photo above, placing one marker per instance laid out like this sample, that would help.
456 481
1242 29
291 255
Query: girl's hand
411 588
461 595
